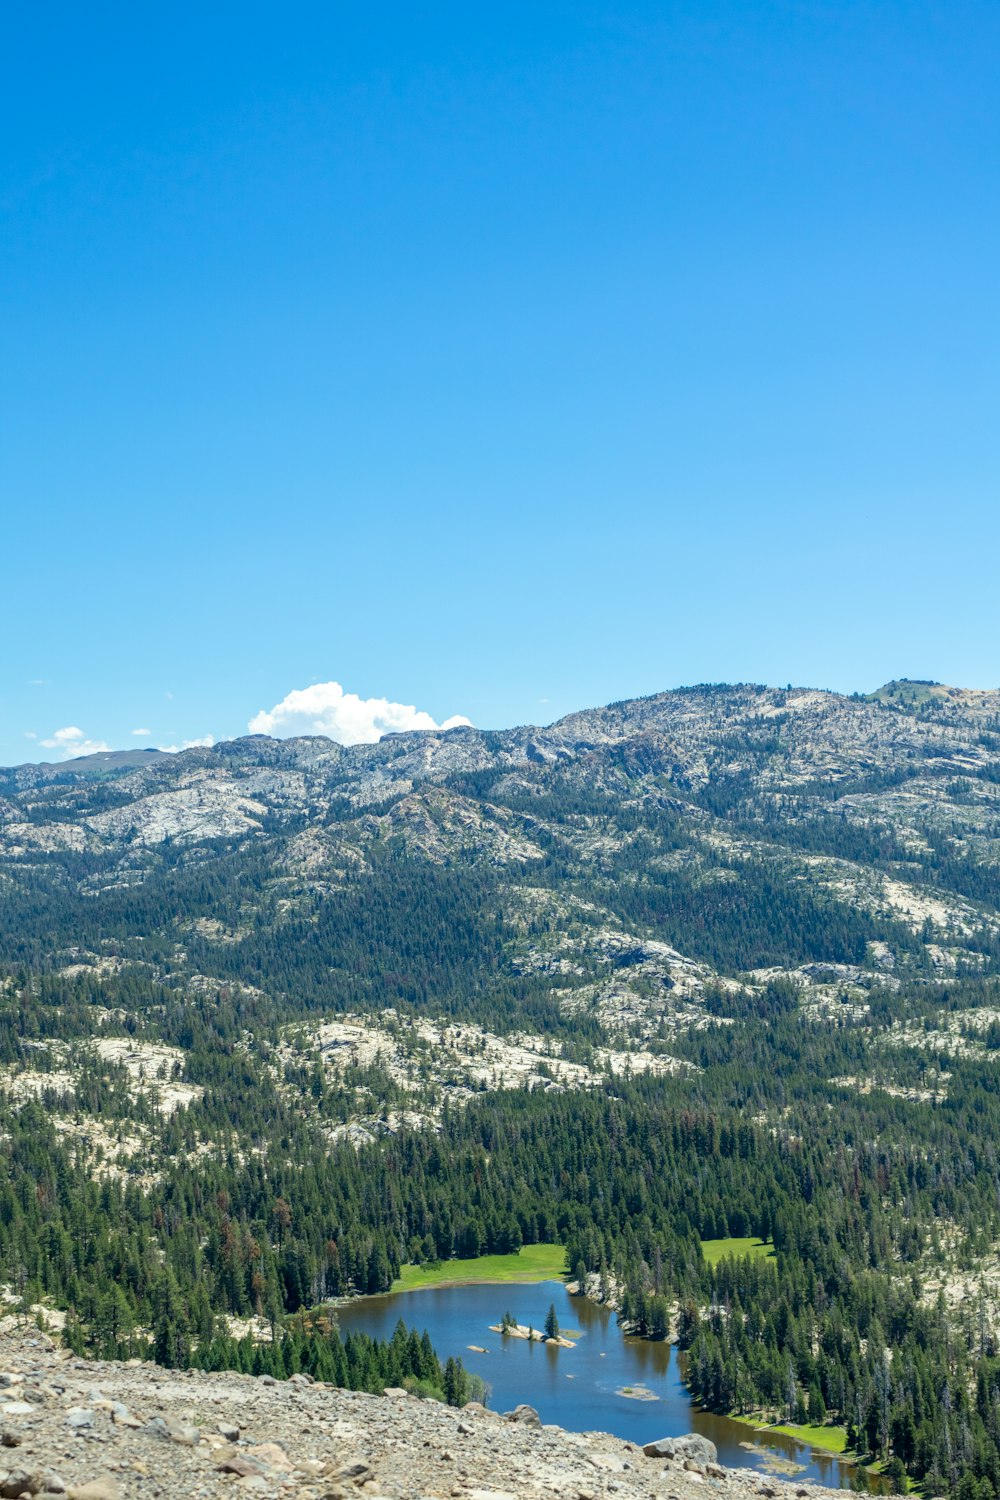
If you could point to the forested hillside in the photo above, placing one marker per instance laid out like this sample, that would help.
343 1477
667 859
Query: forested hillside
280 1016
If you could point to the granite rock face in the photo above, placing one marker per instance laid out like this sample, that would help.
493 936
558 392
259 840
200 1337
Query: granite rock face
884 809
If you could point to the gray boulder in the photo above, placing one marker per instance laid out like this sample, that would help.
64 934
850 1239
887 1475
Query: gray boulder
526 1415
700 1450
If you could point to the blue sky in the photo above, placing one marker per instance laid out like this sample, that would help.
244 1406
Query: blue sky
496 360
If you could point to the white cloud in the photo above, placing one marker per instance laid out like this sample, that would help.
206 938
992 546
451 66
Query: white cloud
205 742
64 737
142 734
71 742
29 734
326 709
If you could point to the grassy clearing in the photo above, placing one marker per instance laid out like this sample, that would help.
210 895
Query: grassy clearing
912 1485
531 1263
716 1250
830 1439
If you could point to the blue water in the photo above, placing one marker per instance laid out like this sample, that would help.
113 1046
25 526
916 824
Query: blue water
581 1388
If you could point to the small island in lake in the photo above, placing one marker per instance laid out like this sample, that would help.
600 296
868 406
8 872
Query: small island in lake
551 1335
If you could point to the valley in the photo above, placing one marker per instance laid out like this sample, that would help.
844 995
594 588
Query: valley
284 1021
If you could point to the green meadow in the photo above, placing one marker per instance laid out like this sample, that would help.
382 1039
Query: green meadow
531 1263
716 1250
830 1439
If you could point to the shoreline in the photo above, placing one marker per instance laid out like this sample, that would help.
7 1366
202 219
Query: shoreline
430 1286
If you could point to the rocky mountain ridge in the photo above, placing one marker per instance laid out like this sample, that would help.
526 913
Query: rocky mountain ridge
712 756
628 873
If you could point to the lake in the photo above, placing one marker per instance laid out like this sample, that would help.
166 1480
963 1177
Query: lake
579 1389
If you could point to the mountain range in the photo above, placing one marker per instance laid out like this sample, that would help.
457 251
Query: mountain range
881 811
683 979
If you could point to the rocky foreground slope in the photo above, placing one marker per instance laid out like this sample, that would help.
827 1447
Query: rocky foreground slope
102 1431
